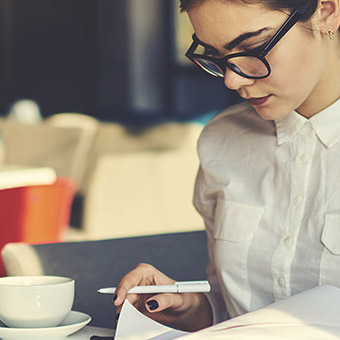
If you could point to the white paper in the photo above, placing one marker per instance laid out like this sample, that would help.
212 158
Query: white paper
311 315
133 325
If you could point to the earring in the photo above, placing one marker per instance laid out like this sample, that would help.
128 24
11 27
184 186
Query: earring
330 34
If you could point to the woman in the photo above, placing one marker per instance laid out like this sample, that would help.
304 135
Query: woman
269 166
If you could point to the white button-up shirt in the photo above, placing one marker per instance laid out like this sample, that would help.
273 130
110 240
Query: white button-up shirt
269 192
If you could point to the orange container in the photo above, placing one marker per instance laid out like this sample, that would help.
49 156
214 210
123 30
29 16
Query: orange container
35 214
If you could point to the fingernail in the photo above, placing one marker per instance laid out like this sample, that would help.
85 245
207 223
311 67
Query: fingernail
152 304
115 298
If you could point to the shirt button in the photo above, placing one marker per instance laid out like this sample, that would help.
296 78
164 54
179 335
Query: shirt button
287 241
304 157
297 200
281 281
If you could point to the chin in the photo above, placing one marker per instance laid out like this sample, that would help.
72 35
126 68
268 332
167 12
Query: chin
268 113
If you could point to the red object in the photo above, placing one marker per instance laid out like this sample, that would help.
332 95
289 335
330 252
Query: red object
35 214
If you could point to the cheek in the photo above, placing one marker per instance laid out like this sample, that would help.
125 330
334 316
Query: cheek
296 67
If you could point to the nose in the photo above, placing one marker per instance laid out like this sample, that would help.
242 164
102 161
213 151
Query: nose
234 81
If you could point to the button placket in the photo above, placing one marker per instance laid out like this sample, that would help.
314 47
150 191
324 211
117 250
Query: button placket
304 156
287 241
297 200
300 170
281 282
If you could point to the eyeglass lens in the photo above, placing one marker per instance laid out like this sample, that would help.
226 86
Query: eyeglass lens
210 67
243 65
250 66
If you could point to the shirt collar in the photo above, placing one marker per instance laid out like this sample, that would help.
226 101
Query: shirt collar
326 125
288 126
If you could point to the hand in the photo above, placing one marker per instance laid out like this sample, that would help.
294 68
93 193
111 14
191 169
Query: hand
186 311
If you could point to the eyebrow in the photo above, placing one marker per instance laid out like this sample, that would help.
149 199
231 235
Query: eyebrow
239 39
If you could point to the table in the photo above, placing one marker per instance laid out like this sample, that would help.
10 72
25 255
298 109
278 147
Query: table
88 331
14 176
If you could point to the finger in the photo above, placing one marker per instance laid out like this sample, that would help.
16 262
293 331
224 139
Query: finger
117 318
161 302
134 299
130 280
143 274
131 298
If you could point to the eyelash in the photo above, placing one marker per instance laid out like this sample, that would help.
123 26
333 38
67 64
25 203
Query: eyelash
255 49
210 52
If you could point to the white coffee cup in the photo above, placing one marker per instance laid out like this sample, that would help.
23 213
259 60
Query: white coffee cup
35 301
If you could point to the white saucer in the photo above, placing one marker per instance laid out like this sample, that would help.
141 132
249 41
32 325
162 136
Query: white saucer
72 323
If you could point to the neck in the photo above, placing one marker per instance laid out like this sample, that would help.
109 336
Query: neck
327 91
319 102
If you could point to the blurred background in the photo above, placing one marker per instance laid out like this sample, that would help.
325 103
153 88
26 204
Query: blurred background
112 59
100 92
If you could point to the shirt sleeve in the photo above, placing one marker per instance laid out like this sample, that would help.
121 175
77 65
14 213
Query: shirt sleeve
205 205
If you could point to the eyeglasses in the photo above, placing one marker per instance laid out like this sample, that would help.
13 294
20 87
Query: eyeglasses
250 64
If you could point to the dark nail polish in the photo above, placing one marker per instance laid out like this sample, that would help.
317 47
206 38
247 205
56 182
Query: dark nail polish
115 298
153 304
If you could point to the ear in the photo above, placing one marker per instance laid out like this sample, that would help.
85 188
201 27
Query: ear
329 14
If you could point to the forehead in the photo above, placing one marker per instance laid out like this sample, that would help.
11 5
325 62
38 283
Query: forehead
218 21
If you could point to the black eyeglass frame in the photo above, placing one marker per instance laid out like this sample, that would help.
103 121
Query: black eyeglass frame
223 63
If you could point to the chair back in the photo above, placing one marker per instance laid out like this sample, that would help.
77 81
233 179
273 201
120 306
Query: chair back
44 145
35 214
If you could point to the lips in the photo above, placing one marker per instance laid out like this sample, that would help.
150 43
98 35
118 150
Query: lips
258 101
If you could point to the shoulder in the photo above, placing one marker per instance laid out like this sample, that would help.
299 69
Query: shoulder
233 128
240 116
242 108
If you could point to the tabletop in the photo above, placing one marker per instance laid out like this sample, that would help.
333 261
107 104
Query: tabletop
87 332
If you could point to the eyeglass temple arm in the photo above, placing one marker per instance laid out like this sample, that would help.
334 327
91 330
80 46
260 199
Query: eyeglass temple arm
291 21
192 46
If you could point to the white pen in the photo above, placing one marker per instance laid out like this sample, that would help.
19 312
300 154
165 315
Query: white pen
177 287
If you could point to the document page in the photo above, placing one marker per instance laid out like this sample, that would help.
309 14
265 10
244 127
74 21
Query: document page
311 315
133 325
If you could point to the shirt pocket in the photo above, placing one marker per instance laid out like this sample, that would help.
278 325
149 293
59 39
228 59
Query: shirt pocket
235 225
331 234
330 258
236 222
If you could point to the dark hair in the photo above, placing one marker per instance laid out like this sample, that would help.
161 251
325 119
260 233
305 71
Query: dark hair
290 5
